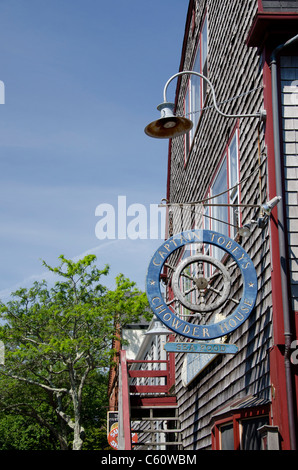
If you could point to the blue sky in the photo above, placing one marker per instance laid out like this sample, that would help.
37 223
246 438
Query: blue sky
82 79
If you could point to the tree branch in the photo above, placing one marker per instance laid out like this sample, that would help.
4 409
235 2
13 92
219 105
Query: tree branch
66 418
32 382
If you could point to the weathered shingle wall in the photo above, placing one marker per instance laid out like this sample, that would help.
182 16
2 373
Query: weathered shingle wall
289 100
279 5
233 68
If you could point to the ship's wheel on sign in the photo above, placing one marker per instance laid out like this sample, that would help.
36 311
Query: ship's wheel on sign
211 284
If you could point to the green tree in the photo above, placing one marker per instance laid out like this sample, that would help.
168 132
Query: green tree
55 337
95 406
26 419
22 433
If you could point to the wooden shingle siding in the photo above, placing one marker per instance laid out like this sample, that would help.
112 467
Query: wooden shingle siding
233 68
289 100
279 5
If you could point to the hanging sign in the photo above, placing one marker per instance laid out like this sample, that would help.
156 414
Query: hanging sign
112 418
203 348
206 331
193 365
113 437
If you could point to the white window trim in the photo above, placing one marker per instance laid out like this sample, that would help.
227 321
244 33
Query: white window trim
208 223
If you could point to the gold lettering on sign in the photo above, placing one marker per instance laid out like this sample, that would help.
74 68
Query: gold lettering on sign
184 239
196 235
167 316
176 324
233 322
156 264
224 327
239 314
160 307
221 242
186 329
245 309
194 332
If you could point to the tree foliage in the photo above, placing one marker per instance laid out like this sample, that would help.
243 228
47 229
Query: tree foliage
56 339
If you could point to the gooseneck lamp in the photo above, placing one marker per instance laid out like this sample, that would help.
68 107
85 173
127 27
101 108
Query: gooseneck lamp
169 125
158 329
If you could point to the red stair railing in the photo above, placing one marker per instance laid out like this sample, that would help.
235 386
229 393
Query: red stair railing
149 374
124 426
127 391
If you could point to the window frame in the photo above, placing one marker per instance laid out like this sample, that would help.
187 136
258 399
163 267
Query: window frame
234 195
212 211
216 213
236 418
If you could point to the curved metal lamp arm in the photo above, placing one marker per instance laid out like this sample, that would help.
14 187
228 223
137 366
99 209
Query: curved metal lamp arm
260 114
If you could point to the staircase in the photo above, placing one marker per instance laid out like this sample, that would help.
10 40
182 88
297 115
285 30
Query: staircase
157 429
147 404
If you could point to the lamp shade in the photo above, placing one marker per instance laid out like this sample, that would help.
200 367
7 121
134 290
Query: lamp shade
268 206
169 125
158 328
245 231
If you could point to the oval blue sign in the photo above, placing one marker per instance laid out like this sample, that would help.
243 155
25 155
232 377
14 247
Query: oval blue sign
169 318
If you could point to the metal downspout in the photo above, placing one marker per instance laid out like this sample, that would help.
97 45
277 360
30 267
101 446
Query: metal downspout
282 241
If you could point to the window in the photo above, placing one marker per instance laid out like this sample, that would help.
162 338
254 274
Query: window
233 161
186 112
220 213
226 437
250 438
238 429
219 217
244 437
197 87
